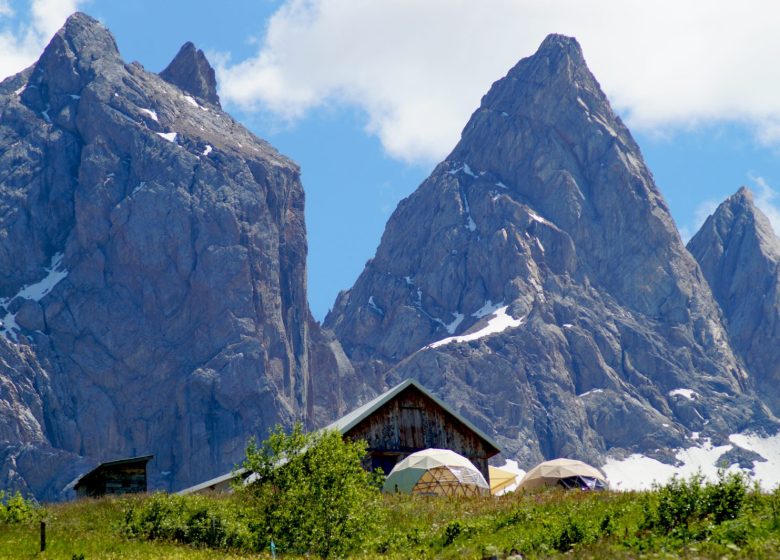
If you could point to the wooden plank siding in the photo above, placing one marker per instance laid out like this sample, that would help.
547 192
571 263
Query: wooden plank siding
412 421
125 476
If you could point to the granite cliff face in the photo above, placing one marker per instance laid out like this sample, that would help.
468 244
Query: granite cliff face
152 271
740 257
536 278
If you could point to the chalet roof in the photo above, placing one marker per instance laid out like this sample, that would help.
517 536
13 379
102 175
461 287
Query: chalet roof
216 481
141 458
349 421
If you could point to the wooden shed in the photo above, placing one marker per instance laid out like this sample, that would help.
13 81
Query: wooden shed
405 419
123 476
409 418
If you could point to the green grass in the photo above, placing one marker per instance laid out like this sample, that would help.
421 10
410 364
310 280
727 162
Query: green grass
683 521
93 528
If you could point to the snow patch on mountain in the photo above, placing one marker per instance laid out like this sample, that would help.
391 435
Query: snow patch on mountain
169 136
638 472
151 114
55 273
689 394
500 322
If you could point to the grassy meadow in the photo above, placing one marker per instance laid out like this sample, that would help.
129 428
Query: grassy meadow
688 519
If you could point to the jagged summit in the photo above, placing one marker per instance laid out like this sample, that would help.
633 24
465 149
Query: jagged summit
152 273
556 42
739 255
191 71
537 277
737 221
557 53
744 193
81 50
84 37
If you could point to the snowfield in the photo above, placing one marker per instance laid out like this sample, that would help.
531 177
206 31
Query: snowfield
638 472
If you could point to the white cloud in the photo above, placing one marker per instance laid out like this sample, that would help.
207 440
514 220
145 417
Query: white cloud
21 44
5 9
49 15
767 199
418 68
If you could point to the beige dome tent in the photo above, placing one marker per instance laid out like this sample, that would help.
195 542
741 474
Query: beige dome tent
501 480
567 473
438 472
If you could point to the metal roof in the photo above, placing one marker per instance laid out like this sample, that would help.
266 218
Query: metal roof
213 482
349 421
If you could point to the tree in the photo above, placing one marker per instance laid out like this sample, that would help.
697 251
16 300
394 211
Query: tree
311 491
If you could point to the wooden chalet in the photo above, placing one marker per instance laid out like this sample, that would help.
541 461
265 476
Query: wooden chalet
123 476
408 418
397 423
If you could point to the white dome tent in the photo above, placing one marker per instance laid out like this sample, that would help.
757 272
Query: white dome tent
438 472
566 473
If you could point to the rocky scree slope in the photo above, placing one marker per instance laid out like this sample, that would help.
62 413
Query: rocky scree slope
536 280
152 272
740 257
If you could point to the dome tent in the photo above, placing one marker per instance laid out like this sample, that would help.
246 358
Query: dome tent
502 481
438 472
568 473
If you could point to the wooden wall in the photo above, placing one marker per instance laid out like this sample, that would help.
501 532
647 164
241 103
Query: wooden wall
119 479
411 422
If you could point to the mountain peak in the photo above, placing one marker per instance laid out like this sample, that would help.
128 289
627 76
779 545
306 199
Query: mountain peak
561 45
552 88
739 256
735 220
191 71
82 49
744 195
86 36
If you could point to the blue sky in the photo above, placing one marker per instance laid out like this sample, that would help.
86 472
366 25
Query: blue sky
367 97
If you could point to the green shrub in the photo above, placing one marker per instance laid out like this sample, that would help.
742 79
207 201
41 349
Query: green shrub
310 492
690 508
216 523
725 499
15 508
679 502
571 533
454 530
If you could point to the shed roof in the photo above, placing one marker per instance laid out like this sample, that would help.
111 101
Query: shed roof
141 458
216 481
349 421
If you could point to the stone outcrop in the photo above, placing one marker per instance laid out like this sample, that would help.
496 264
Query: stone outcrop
152 270
544 244
191 72
740 257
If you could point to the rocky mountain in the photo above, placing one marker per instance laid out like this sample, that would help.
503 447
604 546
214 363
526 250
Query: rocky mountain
537 279
740 257
152 272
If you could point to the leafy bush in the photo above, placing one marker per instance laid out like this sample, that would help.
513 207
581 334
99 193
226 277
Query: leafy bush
310 492
571 533
197 520
724 499
14 508
454 530
681 505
